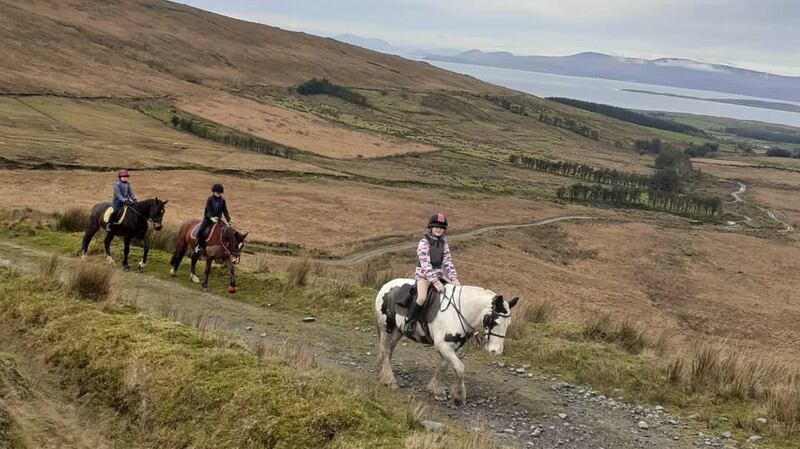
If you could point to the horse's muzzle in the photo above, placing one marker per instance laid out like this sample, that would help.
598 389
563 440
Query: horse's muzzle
157 226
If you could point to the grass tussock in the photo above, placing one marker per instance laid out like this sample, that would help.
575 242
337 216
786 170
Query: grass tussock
92 281
163 240
625 333
481 439
527 312
48 268
73 220
261 264
298 271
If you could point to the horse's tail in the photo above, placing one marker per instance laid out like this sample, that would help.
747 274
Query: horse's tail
91 229
182 244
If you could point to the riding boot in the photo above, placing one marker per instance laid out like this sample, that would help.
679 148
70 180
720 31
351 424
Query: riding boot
413 316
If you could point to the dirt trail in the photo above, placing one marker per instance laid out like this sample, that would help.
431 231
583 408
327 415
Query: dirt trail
510 404
737 198
357 258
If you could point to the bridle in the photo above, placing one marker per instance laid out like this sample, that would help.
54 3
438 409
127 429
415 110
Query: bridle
149 219
230 253
490 321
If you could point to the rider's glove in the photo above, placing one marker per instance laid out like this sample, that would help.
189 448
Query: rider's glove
214 219
438 286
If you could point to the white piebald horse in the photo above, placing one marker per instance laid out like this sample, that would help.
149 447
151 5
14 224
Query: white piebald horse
463 313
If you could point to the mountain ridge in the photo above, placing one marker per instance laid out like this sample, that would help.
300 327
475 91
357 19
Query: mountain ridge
675 72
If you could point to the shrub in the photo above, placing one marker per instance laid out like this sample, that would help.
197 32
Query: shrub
91 281
778 152
316 86
73 220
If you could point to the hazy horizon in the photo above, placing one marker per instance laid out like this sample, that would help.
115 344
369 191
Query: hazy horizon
758 36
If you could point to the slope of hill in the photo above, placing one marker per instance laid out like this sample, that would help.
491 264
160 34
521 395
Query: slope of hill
155 47
665 71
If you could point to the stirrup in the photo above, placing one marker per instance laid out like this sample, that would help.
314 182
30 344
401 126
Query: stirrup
409 328
198 249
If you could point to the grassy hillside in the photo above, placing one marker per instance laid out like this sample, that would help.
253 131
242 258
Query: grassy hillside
156 47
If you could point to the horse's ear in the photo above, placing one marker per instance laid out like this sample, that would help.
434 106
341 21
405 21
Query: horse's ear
497 302
513 303
244 236
165 202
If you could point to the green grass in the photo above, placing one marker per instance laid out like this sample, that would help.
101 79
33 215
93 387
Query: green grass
172 386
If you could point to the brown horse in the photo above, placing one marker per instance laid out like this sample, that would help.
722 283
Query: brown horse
223 244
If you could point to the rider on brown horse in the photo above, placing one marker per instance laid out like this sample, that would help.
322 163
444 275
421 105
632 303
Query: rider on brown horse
215 208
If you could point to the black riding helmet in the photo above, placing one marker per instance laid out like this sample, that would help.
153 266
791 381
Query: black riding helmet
437 221
218 188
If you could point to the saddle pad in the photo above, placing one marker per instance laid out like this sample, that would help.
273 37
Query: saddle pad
197 228
110 210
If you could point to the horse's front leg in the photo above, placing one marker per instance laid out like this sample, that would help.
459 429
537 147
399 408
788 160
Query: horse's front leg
193 273
107 246
232 268
436 386
209 262
146 250
459 390
126 251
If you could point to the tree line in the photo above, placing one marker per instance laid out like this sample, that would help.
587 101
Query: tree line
570 124
619 196
581 171
507 104
244 141
769 136
626 115
316 86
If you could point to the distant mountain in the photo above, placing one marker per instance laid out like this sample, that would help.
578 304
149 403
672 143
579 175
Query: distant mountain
382 46
674 72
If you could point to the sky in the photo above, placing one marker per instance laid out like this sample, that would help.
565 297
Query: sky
754 34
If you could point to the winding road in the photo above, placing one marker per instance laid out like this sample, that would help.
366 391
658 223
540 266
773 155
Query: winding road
738 199
355 259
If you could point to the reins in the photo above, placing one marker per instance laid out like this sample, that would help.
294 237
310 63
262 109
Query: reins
491 317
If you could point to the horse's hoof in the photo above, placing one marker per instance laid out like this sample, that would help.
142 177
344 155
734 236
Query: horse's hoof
205 289
110 260
140 266
172 272
231 289
126 268
83 257
194 279
441 397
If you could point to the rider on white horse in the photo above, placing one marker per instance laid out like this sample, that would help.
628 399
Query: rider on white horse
434 263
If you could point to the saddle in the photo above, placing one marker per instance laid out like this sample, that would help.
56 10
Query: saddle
120 216
209 232
397 301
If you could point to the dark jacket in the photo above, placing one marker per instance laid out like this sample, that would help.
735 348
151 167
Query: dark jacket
123 194
216 207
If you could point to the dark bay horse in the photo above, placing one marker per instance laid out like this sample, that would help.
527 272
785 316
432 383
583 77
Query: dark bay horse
224 244
134 226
